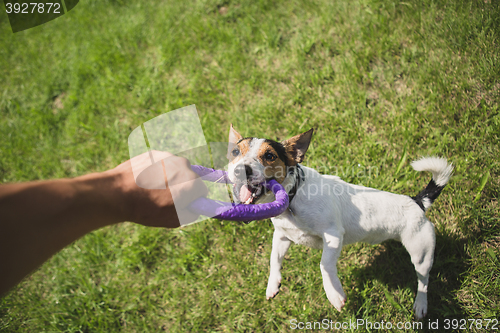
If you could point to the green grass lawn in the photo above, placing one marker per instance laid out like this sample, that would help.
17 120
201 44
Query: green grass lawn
383 82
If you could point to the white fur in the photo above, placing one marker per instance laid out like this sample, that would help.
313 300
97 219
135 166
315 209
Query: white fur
441 170
328 213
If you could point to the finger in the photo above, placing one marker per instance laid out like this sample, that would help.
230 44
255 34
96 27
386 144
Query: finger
151 177
140 163
178 171
187 192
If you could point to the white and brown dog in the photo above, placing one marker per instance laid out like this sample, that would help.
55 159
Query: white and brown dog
327 213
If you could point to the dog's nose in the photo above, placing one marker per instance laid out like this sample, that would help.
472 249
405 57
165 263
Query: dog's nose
243 171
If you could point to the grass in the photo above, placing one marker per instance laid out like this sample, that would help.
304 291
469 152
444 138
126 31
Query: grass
383 82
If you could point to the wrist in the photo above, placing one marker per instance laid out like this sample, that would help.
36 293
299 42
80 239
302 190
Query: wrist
99 195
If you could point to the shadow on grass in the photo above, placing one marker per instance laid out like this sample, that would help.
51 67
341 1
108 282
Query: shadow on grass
392 266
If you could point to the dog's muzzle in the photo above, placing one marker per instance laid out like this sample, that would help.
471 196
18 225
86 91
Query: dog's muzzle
244 189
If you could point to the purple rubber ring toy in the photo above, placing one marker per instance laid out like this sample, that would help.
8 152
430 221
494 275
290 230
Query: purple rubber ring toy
237 212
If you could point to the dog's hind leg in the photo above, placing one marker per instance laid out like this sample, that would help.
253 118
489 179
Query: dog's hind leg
332 246
281 244
420 246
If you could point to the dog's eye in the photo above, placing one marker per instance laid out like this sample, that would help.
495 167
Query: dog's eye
235 152
269 156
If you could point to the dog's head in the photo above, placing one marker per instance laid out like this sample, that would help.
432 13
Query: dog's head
252 161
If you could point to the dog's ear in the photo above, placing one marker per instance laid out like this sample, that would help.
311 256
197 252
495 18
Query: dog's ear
296 147
233 138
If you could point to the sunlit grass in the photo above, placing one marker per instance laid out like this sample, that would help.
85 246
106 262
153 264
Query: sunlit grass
377 79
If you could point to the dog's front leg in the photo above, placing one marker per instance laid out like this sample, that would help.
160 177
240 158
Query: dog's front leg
332 246
281 244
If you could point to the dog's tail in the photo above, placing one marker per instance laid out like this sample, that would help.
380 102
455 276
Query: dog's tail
441 173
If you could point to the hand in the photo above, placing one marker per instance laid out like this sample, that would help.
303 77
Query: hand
158 194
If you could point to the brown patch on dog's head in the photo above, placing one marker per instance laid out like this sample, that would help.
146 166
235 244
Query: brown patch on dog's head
272 157
239 150
296 147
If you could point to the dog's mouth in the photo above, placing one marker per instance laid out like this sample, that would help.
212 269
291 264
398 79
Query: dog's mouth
248 193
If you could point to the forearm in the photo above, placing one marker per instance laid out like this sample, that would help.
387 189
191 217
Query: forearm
41 218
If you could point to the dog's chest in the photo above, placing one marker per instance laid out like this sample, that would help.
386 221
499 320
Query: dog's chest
296 231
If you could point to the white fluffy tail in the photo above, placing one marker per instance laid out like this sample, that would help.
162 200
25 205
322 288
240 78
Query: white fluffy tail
441 170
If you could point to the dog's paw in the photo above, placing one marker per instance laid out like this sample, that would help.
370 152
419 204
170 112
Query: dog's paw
420 306
273 288
337 300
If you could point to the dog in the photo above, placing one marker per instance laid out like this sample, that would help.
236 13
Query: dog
328 213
